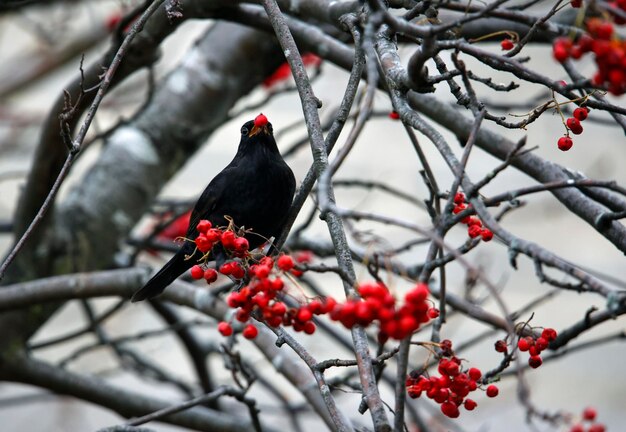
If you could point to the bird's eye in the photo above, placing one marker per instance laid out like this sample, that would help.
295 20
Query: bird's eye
244 130
271 129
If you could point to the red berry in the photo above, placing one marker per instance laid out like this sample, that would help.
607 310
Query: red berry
590 413
228 239
210 275
418 294
459 198
541 343
304 314
241 244
549 334
203 243
486 234
561 48
305 256
469 404
535 361
237 271
451 368
475 373
213 235
523 345
433 313
224 328
604 31
279 308
500 346
492 391
459 208
576 3
507 44
260 120
474 231
577 428
565 143
250 331
414 392
581 113
225 269
450 409
597 427
203 226
197 272
285 263
261 271
309 327
574 125
474 221
394 115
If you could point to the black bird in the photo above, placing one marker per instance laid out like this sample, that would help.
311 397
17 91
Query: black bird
255 190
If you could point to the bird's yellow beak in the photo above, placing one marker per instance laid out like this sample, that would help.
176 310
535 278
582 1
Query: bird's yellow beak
256 129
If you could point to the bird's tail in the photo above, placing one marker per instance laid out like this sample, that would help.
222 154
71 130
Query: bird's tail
170 271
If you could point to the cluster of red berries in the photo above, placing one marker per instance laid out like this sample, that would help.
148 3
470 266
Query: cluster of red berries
609 51
588 416
573 125
474 225
259 297
378 304
452 387
535 346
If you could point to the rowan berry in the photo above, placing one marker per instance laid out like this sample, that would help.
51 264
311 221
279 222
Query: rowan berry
474 231
492 391
469 404
535 361
197 272
549 334
474 373
590 413
523 344
507 44
580 113
260 120
501 346
574 125
225 328
541 343
228 239
241 244
250 331
203 226
285 263
450 409
486 234
203 243
394 115
433 313
565 143
210 275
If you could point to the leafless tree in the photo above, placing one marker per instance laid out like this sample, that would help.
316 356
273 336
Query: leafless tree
434 69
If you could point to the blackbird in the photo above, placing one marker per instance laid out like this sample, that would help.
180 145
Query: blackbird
255 190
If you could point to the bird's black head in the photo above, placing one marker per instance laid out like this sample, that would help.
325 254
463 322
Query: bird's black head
257 133
259 126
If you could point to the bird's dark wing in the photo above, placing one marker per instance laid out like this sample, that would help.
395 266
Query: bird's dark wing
209 200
